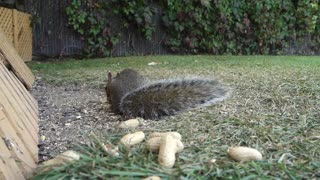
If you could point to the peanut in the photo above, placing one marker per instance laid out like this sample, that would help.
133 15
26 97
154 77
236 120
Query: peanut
240 153
152 178
169 146
130 124
176 135
153 144
132 139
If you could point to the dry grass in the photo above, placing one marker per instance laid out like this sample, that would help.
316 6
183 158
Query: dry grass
274 107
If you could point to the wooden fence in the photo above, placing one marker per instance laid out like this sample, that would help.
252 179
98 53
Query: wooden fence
53 37
16 25
18 115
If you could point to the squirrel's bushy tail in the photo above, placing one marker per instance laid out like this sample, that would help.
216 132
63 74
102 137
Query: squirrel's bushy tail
165 98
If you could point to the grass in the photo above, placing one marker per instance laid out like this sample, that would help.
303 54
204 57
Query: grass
274 107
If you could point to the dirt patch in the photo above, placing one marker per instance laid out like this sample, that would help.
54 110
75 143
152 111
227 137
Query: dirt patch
68 114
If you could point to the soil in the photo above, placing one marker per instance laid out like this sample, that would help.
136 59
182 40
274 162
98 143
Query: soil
68 114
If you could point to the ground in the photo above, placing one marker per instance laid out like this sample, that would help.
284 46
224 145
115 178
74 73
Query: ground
68 114
274 107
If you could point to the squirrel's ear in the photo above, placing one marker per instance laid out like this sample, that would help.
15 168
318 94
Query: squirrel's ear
109 76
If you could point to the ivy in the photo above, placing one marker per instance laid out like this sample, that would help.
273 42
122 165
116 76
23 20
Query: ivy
205 26
89 19
238 27
138 13
307 16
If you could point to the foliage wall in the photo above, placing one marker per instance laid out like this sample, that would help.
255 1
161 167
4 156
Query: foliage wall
239 27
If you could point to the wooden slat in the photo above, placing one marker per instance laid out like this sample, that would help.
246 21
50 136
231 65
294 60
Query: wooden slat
25 160
20 69
18 97
8 165
26 94
11 85
23 128
3 175
19 105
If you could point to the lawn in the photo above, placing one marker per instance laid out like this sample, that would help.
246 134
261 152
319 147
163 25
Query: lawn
274 108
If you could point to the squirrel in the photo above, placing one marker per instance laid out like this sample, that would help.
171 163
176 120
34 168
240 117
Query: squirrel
133 95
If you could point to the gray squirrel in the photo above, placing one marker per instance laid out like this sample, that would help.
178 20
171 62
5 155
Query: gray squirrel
133 95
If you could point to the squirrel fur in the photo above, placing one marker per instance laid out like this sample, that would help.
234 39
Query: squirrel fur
133 95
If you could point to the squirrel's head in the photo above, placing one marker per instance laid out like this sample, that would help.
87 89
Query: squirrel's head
112 91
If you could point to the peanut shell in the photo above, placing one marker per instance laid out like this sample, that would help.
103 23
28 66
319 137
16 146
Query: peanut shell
176 135
132 139
241 153
129 124
153 144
